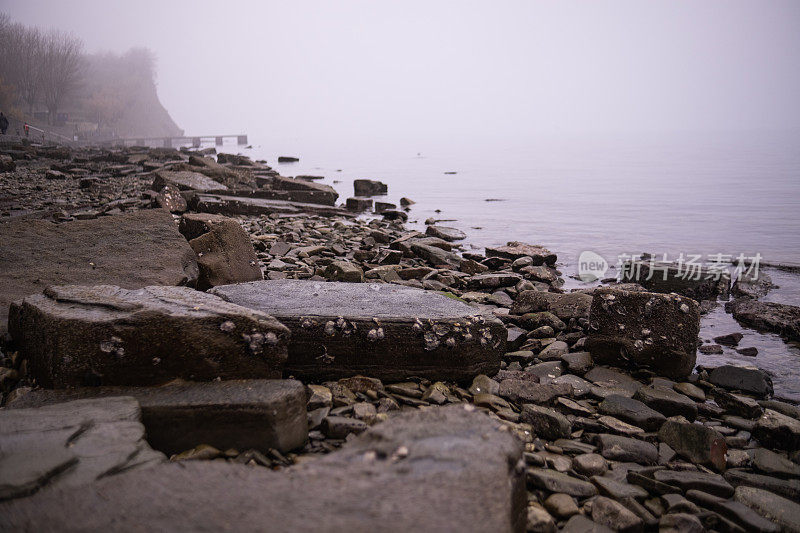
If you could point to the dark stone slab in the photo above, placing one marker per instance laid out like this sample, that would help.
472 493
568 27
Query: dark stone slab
696 442
514 250
186 180
632 411
445 468
104 335
70 444
752 380
782 319
131 250
785 513
240 414
243 205
667 402
644 329
702 481
626 449
390 332
364 187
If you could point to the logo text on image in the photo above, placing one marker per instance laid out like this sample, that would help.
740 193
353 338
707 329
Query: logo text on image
591 266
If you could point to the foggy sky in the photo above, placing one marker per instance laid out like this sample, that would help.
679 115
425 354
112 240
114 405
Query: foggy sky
354 70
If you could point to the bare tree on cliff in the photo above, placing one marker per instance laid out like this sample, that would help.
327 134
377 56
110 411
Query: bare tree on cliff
62 65
21 60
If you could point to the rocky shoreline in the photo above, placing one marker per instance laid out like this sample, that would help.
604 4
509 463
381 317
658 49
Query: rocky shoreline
196 342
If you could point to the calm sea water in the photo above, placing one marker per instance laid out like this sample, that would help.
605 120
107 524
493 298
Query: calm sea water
694 195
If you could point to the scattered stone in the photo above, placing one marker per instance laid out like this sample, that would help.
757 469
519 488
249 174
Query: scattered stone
632 411
560 505
578 362
777 430
185 180
702 481
626 449
224 252
736 404
778 318
546 423
616 516
788 488
448 234
559 482
774 464
515 250
667 402
750 380
731 339
590 464
698 443
785 513
344 271
692 391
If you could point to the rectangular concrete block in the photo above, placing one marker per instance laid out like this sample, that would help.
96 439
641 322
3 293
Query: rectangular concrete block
239 414
386 331
105 335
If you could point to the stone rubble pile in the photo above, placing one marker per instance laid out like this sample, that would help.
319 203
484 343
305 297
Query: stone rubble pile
347 373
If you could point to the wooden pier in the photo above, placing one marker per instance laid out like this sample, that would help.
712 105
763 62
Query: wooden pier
173 142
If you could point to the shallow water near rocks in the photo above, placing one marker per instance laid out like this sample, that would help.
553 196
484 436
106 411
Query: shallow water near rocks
690 195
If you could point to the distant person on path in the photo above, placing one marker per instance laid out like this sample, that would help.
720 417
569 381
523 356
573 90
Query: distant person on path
27 129
3 123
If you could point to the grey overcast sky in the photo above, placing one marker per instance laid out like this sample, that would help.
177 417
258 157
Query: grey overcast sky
364 69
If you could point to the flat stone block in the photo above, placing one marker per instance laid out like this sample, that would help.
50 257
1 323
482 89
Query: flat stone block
105 335
131 250
240 414
390 332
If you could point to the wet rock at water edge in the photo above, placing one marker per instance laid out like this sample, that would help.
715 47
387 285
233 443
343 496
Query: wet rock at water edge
364 187
643 329
74 335
745 379
782 319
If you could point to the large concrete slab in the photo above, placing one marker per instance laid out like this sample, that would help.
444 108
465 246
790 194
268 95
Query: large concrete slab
241 205
104 335
241 414
386 331
70 444
186 180
442 469
131 250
